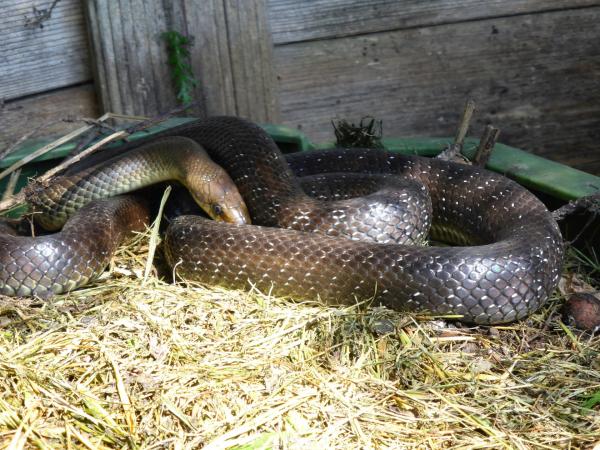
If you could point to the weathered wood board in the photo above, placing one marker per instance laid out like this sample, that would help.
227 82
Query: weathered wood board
34 59
535 76
532 65
302 20
22 116
231 57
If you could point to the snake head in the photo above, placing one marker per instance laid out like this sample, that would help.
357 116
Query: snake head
223 203
219 197
213 189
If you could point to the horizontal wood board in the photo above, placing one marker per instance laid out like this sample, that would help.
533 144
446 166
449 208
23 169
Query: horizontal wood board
301 20
546 101
22 116
535 76
34 60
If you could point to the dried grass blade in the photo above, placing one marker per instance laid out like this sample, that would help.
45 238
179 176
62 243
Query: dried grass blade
223 441
154 235
123 395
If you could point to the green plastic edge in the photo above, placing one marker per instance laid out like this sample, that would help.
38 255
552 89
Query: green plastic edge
532 171
552 178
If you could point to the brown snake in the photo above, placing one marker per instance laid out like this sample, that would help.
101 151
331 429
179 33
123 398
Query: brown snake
509 269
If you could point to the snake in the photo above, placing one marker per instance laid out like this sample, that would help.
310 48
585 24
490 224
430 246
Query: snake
504 263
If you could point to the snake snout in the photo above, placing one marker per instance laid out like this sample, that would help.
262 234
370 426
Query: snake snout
231 206
238 215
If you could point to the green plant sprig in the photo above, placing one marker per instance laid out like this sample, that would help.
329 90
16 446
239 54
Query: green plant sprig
181 71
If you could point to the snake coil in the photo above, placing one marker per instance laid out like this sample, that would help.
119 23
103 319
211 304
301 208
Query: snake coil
506 264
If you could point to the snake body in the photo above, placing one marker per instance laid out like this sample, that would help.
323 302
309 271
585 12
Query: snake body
507 265
45 265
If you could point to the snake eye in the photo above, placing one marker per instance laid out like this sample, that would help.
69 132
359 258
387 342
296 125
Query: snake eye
217 210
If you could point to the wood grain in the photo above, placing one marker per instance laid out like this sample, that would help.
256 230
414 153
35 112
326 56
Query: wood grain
130 60
533 76
211 61
251 56
301 20
34 60
231 56
22 116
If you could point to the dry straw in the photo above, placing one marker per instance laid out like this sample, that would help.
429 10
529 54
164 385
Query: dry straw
128 364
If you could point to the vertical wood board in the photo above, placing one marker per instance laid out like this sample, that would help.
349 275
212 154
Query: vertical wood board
231 56
130 61
250 47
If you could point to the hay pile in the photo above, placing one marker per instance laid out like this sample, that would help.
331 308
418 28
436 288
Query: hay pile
128 364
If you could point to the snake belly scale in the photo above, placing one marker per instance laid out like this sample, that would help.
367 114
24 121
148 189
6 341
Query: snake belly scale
506 266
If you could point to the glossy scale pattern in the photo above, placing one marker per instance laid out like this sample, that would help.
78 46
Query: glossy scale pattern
48 265
507 265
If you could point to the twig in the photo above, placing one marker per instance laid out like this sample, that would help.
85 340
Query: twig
111 115
40 16
590 203
454 150
45 149
99 123
486 145
583 229
144 123
96 122
20 197
84 142
147 123
113 137
7 151
465 123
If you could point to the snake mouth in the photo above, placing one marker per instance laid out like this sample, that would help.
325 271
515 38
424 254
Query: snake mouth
228 213
237 215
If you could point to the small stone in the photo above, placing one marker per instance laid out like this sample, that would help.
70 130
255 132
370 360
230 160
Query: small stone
383 326
493 332
583 311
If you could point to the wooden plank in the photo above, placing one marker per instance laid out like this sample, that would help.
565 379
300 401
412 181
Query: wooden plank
34 60
22 116
533 76
210 55
231 57
300 20
251 60
130 61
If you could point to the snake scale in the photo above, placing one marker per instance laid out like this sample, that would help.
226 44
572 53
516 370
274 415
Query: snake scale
506 264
